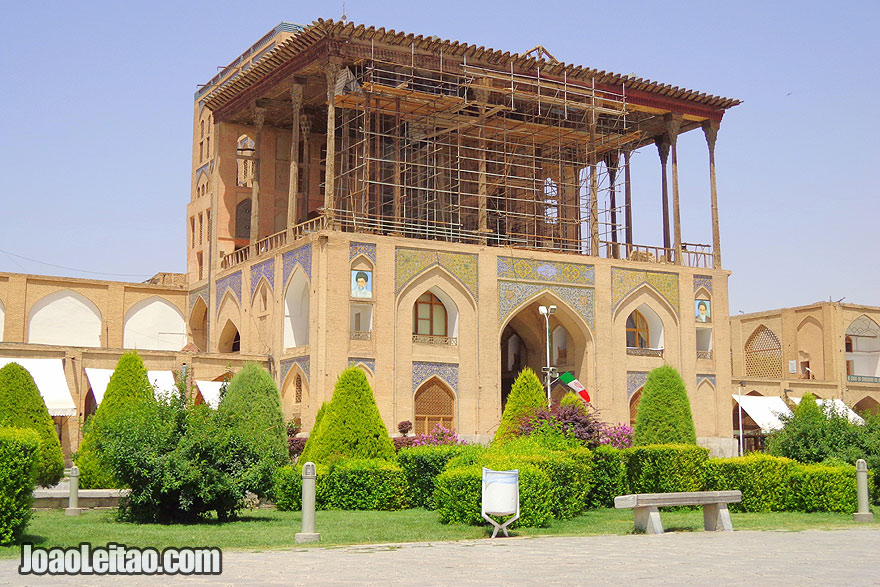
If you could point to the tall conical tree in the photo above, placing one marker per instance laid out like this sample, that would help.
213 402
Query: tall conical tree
664 412
129 390
22 406
351 425
526 396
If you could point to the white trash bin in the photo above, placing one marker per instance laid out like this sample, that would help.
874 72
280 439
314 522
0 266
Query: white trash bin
500 497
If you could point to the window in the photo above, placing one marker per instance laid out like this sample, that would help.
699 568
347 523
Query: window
433 405
637 333
429 316
201 229
849 344
763 354
245 152
202 129
299 389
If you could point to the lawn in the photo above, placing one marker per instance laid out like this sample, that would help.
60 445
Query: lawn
267 529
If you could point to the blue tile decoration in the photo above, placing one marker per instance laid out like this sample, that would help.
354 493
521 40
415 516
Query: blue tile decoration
548 271
201 292
303 363
424 370
301 256
512 294
707 377
624 281
704 281
409 263
366 249
368 363
634 380
231 281
265 269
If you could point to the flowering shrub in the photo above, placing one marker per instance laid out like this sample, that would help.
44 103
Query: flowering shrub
404 427
567 420
295 446
618 436
403 442
439 435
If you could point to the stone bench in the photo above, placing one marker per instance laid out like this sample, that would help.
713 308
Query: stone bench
647 516
45 499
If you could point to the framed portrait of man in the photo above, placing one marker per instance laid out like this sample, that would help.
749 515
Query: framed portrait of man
703 310
361 284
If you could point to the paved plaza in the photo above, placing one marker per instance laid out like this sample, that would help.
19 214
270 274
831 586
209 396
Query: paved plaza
844 557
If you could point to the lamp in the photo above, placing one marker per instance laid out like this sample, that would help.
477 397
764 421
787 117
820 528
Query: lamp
549 371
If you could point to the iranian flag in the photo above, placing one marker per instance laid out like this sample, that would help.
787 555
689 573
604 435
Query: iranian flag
568 379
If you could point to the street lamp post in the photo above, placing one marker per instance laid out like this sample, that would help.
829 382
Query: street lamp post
545 311
742 384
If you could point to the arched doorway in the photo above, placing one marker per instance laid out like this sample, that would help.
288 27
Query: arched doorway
230 340
434 404
634 406
198 324
867 405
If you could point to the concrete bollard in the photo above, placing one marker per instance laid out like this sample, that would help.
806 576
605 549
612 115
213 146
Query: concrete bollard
308 534
73 508
864 512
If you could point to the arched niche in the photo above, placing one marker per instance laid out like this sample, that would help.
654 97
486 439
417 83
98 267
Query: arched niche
867 405
230 339
198 324
644 329
763 354
435 314
659 320
634 401
155 324
262 312
294 393
704 409
811 349
863 348
433 404
296 311
65 318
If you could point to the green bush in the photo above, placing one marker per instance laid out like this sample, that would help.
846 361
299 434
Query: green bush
422 464
129 391
526 396
19 461
252 408
762 479
574 400
351 427
21 406
818 488
664 468
287 488
364 484
811 435
664 412
609 477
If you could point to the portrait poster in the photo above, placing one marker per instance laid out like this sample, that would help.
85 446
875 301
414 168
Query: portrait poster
361 284
703 310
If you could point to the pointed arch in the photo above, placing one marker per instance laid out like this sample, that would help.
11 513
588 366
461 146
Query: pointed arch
704 407
66 318
198 324
634 401
437 275
296 310
263 286
862 345
154 324
811 348
294 393
230 339
547 297
763 354
433 403
867 405
649 295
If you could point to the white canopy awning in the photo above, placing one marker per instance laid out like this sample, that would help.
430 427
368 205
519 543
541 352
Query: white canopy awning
49 376
765 411
210 391
162 381
838 407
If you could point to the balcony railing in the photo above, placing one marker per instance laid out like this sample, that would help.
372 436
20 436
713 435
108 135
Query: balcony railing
271 242
637 352
863 379
361 335
704 354
430 339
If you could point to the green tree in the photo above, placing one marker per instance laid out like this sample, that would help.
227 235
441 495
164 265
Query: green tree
664 414
811 435
22 406
128 391
526 396
351 426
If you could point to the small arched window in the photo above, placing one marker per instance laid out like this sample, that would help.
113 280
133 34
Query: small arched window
245 152
298 385
849 344
429 316
638 335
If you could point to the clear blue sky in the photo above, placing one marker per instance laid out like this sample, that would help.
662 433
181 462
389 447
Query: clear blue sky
97 122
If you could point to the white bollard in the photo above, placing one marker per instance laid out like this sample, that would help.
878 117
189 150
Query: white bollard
309 477
864 512
73 508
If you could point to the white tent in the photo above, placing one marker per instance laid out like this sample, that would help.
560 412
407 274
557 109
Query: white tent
838 407
162 381
210 392
765 411
49 376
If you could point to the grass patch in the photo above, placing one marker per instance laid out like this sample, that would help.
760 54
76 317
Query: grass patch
270 530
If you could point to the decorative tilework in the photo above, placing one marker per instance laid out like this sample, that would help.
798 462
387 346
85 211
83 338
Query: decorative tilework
423 370
301 256
366 249
512 294
368 363
287 364
624 281
195 294
265 269
534 270
231 281
411 262
704 281
709 378
634 380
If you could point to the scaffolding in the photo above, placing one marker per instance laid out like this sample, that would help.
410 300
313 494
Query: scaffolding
482 156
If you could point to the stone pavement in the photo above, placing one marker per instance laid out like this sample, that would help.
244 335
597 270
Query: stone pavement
842 557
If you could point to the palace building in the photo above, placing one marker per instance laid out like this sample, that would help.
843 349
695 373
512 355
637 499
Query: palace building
407 205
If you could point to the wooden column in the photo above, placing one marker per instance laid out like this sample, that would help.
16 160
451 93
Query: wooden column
662 143
332 72
293 198
398 182
259 118
594 190
628 203
612 159
710 129
305 130
673 125
482 175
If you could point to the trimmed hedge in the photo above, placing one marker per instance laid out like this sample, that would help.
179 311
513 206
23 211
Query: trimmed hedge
762 479
526 396
287 488
19 458
664 412
422 464
819 488
21 406
609 477
664 468
364 484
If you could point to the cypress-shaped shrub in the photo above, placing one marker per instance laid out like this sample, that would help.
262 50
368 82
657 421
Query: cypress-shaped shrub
351 427
312 436
664 413
19 457
21 406
526 396
128 391
252 409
